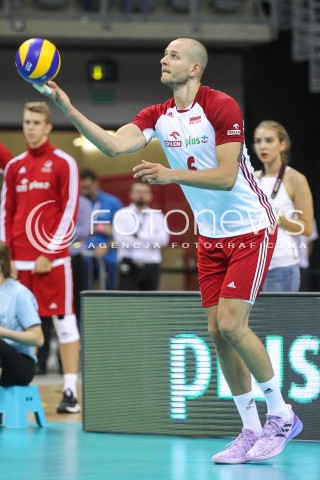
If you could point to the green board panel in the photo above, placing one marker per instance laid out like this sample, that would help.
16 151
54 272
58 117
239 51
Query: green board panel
150 367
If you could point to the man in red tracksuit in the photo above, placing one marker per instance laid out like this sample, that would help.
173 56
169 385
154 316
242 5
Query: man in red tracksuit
5 156
39 208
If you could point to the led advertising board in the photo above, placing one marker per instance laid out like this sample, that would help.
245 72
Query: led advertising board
149 365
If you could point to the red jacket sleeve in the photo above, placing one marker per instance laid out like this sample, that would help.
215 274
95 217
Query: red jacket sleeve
5 156
8 206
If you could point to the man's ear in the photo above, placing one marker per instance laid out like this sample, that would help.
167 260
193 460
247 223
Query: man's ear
195 70
48 128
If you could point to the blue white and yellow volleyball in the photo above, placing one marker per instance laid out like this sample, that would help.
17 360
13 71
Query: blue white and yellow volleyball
38 60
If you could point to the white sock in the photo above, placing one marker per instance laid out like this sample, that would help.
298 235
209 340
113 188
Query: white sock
248 412
275 403
70 381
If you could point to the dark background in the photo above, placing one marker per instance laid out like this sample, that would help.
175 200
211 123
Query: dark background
276 87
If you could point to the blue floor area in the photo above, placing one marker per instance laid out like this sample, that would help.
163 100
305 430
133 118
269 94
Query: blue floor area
63 451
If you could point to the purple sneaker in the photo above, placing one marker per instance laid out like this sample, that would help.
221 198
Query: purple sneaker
236 451
277 432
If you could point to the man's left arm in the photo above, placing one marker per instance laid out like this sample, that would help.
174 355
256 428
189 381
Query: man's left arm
221 178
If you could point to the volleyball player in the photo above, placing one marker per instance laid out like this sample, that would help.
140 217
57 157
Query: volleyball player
201 131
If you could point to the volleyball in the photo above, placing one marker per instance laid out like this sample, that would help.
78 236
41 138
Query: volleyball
38 60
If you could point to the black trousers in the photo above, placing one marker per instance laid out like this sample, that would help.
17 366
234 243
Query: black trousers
17 369
138 277
78 274
44 351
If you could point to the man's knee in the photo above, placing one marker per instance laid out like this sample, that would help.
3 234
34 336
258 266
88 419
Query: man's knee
232 318
213 329
66 328
231 327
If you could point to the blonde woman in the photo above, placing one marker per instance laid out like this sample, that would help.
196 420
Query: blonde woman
292 201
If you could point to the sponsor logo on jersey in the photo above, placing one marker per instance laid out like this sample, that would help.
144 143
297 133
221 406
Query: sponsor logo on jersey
192 141
175 142
235 131
169 114
22 170
194 118
39 185
196 140
175 135
23 187
47 166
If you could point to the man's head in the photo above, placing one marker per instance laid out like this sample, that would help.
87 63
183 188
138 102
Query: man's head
185 59
36 123
141 194
89 183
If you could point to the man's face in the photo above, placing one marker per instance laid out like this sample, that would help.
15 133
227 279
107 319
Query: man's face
141 195
89 188
176 64
35 128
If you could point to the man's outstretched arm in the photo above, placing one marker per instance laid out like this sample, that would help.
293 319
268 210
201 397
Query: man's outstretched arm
127 139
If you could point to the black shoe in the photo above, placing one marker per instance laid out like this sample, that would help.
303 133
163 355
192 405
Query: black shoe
40 370
69 404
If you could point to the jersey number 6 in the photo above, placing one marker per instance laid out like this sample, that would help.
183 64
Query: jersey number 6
191 163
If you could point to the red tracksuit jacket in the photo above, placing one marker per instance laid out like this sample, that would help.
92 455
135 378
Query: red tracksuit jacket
39 203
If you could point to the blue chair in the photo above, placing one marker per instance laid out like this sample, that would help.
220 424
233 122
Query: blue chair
16 402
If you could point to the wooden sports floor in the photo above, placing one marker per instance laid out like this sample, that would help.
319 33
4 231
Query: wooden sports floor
62 451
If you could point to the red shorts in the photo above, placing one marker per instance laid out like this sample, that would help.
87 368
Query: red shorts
53 290
234 267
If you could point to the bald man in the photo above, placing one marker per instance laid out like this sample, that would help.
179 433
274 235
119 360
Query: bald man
201 132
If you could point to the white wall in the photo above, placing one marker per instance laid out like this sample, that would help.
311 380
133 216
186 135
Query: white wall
138 85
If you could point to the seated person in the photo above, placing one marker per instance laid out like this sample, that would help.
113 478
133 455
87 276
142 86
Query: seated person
20 327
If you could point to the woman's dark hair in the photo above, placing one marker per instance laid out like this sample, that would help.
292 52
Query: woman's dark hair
5 260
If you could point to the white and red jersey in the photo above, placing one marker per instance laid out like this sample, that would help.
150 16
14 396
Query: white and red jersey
189 138
39 203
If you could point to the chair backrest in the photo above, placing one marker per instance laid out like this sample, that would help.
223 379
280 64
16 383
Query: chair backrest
179 5
228 5
53 4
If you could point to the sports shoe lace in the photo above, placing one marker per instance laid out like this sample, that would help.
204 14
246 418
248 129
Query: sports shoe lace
238 440
272 427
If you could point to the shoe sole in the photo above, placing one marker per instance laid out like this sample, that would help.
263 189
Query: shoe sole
294 432
69 410
230 462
